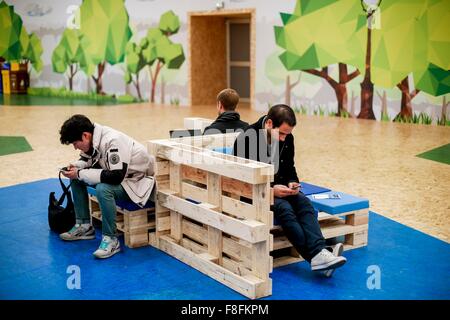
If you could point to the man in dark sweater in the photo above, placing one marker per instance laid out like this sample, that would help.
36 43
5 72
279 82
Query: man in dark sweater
270 140
228 120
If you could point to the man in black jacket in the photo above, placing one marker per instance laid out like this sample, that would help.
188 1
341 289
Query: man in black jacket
270 140
228 120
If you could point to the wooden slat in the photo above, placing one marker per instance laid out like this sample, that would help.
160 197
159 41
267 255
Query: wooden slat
195 232
237 187
254 172
193 192
215 244
246 285
237 251
249 230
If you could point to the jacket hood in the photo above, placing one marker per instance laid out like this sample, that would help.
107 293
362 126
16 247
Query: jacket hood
228 116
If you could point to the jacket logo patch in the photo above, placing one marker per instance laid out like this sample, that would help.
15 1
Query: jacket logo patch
114 159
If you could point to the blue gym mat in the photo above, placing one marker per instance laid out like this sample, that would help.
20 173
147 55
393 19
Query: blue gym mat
34 263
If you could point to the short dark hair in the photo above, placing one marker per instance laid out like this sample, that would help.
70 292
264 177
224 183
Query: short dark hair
229 99
73 128
281 113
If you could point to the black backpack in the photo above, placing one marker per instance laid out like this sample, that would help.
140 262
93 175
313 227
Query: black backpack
61 219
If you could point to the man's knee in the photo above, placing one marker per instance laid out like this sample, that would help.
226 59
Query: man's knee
103 190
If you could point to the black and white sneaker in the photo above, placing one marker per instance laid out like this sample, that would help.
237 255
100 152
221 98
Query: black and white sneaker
79 232
337 251
326 260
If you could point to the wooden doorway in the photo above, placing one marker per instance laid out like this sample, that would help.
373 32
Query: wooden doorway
216 60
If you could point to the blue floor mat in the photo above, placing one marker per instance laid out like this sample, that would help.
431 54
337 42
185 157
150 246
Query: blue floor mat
34 263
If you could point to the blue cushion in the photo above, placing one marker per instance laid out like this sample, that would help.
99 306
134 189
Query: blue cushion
226 150
335 206
127 205
308 189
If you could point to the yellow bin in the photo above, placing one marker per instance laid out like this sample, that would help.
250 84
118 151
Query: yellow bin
6 82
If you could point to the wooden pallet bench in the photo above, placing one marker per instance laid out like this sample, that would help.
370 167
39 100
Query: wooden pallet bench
201 220
213 213
346 218
132 221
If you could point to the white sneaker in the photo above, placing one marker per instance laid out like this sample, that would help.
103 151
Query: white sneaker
325 260
337 251
108 247
79 232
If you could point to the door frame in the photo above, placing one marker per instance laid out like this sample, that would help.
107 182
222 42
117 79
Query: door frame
248 14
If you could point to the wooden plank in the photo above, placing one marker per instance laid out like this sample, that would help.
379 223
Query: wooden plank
237 187
340 228
213 162
215 244
261 202
249 230
281 243
194 174
193 246
357 238
163 223
238 208
175 185
246 285
161 168
236 267
195 232
357 219
285 260
237 251
193 192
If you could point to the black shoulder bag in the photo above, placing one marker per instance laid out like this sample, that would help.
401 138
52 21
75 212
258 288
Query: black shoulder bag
61 219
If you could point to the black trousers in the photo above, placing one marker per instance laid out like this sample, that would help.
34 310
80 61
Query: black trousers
296 216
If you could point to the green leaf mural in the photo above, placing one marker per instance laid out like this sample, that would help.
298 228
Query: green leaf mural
70 55
105 30
411 40
315 36
15 43
135 62
10 32
159 51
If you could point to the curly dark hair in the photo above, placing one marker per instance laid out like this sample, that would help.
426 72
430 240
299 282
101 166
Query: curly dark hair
73 128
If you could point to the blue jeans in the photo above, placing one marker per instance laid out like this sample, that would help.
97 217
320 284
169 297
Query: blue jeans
296 216
107 194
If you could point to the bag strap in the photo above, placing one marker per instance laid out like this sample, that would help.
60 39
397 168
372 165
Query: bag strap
66 191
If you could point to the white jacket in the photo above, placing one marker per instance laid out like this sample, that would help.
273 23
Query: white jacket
112 149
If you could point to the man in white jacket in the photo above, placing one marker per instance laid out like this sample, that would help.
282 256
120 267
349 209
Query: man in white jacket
118 166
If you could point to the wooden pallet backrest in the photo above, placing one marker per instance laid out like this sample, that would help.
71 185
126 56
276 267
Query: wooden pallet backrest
216 205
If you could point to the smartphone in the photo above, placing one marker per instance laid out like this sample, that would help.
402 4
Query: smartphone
293 188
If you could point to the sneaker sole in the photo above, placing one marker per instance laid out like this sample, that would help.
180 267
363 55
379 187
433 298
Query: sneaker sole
79 238
116 250
329 273
329 266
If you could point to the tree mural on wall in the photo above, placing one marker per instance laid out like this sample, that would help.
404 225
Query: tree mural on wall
135 62
410 46
105 34
407 50
316 36
159 51
15 43
70 57
277 74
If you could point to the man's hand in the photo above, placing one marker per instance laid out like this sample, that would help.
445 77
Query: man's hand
281 191
72 172
294 186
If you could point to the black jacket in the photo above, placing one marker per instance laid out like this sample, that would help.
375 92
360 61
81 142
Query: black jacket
228 120
256 148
